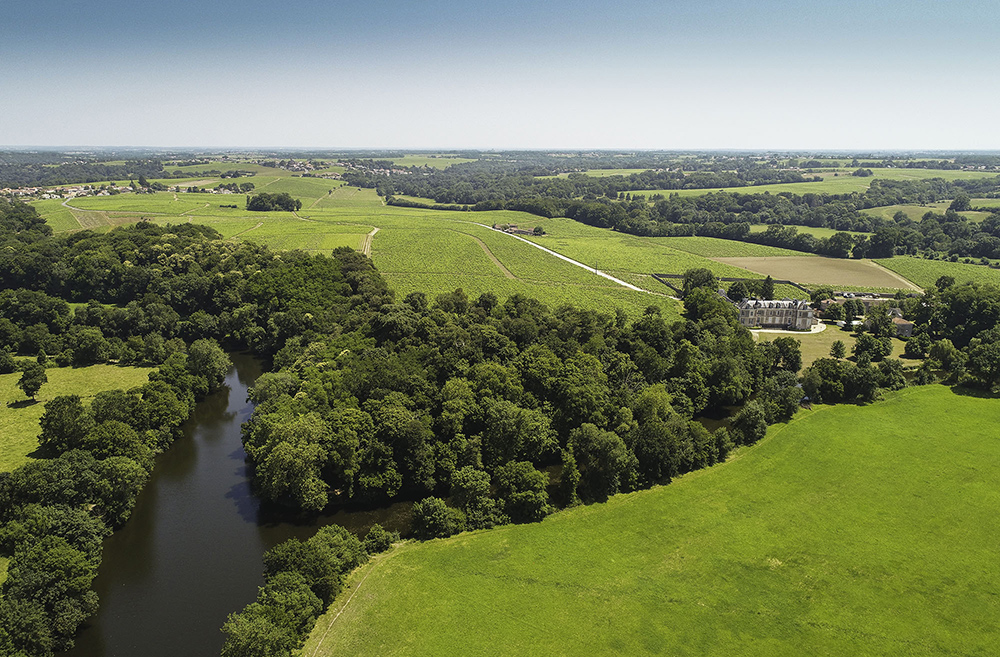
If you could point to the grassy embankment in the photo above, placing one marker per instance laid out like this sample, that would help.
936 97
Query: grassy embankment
851 530
19 416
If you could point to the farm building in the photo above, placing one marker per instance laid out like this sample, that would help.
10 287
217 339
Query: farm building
786 313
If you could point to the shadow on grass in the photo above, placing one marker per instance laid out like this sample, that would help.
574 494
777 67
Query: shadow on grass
24 403
974 392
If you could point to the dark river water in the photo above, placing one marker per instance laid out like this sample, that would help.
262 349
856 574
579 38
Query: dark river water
191 552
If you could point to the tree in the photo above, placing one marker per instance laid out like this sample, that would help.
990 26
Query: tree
737 291
699 277
32 379
206 358
522 489
838 349
432 518
65 423
606 465
767 288
750 424
962 203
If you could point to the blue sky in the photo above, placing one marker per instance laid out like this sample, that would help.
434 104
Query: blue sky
770 74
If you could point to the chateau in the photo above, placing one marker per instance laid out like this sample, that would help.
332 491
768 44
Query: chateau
784 314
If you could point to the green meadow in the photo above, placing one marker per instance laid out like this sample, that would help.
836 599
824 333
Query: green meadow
19 416
815 231
916 212
926 272
849 531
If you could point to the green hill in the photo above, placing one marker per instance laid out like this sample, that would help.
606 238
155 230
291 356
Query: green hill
851 530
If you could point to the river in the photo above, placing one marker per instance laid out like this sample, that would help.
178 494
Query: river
191 552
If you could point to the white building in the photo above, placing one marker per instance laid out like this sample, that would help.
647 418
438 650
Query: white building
783 314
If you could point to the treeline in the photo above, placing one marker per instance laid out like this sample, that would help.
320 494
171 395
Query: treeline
44 175
264 202
472 183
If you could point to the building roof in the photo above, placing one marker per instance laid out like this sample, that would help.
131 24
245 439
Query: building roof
794 304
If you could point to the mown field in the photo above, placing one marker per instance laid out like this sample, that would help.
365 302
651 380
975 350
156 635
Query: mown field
19 416
926 272
817 345
851 530
818 270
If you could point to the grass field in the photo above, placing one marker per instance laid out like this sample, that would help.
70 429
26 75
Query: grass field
818 270
916 212
849 531
19 417
817 345
926 272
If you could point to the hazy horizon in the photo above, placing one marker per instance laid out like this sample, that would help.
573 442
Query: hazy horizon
772 75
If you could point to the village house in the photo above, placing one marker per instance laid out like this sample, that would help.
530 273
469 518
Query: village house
781 314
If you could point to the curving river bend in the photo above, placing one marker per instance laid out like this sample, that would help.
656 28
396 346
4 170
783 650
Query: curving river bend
191 552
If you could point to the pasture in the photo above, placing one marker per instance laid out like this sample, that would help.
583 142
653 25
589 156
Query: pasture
817 270
19 416
926 272
849 530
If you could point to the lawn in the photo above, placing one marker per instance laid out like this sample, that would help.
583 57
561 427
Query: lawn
19 417
851 530
925 272
817 345
818 270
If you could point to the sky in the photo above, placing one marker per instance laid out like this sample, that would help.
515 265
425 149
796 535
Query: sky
452 74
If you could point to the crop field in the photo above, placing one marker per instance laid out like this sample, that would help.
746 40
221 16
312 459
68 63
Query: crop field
19 417
926 272
430 251
850 530
818 270
712 247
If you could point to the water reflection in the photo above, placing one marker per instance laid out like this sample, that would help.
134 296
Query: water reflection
191 553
